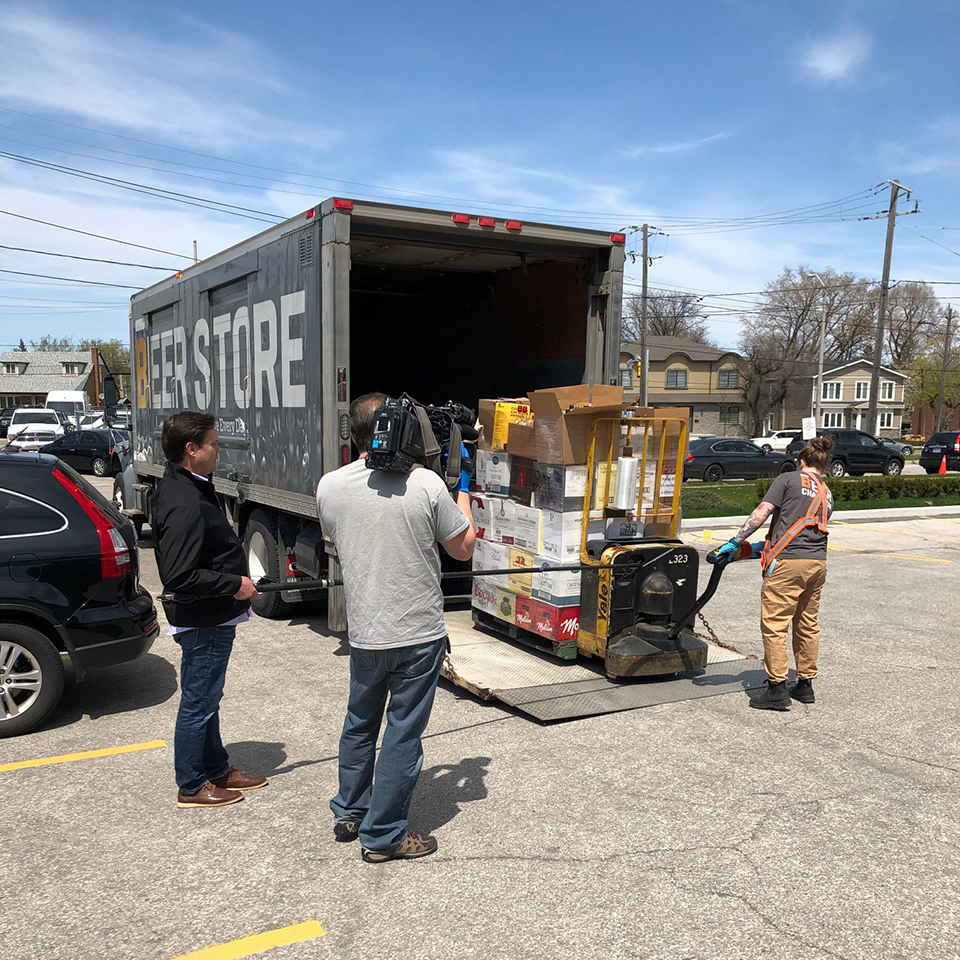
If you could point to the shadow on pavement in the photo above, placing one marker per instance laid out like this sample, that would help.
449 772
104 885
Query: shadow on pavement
441 790
267 758
145 682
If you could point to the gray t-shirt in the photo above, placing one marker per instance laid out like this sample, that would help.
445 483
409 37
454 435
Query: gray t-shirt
386 528
791 495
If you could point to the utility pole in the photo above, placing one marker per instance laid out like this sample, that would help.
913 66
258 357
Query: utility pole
823 335
643 322
895 188
943 368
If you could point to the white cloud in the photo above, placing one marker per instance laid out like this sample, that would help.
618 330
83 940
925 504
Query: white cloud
676 147
189 91
834 59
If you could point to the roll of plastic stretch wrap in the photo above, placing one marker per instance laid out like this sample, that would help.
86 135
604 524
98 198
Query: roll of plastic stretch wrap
628 471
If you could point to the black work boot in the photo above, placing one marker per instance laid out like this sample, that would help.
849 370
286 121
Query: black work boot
802 691
775 697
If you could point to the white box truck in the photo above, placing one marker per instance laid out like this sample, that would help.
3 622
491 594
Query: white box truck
275 337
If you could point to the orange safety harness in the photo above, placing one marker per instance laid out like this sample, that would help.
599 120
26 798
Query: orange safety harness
816 516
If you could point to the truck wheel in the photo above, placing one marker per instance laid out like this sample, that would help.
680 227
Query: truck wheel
121 505
263 560
31 678
838 468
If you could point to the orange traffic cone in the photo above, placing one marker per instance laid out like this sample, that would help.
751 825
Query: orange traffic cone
943 465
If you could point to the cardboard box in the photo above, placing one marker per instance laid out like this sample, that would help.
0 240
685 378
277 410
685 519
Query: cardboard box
484 596
522 439
480 508
492 556
557 623
560 487
495 417
599 485
561 535
523 479
493 473
528 528
521 583
559 587
506 606
502 520
525 614
564 415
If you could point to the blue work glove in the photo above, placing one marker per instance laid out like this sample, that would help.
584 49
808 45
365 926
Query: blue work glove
757 549
724 554
769 569
466 469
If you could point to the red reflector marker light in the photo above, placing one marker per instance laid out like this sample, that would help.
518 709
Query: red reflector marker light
620 238
344 454
486 221
514 225
460 218
309 214
114 552
339 204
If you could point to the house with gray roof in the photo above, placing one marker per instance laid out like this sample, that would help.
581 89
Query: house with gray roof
26 377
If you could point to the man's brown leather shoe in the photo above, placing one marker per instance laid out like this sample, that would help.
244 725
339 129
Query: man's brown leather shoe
235 779
209 795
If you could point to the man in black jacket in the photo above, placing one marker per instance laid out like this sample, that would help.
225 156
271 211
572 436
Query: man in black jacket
202 562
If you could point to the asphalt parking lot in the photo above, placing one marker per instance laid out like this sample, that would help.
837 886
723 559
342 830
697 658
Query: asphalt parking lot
697 830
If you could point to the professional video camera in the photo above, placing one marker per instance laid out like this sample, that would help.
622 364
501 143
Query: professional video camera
406 432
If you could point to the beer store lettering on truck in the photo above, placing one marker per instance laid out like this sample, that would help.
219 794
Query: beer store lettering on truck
238 360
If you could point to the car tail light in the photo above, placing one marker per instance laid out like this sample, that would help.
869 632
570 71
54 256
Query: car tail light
688 458
114 552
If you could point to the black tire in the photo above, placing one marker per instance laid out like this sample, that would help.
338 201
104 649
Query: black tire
906 452
892 468
931 470
121 504
838 468
99 467
713 473
766 448
262 548
787 467
24 650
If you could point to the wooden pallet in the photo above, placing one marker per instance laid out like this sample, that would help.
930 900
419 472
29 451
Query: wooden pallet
562 649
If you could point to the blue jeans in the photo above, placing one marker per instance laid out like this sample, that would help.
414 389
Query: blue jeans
380 799
198 753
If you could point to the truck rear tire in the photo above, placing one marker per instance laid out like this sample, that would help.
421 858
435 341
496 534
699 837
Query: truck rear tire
262 547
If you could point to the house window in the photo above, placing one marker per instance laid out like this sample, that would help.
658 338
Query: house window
11 368
626 380
886 419
677 378
729 413
886 389
832 390
73 368
728 379
833 419
862 390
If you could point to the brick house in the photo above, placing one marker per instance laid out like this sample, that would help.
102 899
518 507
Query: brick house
845 399
703 379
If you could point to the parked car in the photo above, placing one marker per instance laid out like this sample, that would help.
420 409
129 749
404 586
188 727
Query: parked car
940 445
856 453
30 429
69 586
713 458
91 450
776 439
898 446
5 414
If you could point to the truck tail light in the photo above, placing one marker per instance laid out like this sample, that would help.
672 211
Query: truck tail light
114 552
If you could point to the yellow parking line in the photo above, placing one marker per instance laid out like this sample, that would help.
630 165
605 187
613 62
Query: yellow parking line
258 943
87 755
902 533
913 556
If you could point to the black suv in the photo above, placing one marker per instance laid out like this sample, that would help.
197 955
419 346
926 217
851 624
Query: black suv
856 453
5 414
69 586
941 445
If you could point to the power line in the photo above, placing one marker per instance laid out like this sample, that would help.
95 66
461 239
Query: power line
70 256
95 283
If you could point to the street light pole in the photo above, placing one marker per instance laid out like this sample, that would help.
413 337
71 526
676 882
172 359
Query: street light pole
823 334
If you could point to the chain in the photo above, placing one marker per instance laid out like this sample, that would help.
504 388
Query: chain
713 638
451 672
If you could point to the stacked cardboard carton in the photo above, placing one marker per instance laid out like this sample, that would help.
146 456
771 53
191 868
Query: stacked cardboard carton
528 507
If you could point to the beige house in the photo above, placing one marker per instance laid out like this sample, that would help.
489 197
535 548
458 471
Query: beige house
845 399
703 379
27 377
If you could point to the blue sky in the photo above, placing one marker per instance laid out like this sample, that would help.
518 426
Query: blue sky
690 116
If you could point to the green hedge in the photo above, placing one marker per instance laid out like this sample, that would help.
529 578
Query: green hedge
884 488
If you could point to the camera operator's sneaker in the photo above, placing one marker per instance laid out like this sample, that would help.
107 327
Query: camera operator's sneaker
414 845
346 830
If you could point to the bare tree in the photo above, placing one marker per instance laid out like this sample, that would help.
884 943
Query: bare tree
50 344
914 323
669 314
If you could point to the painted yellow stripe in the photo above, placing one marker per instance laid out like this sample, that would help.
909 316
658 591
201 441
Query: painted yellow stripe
913 556
258 943
901 533
87 755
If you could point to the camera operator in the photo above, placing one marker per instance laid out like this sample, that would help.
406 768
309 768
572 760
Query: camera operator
386 527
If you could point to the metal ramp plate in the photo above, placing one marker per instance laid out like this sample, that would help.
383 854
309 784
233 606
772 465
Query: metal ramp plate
493 667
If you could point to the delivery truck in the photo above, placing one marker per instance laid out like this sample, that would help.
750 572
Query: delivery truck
276 335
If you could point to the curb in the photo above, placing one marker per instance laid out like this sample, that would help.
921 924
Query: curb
848 516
